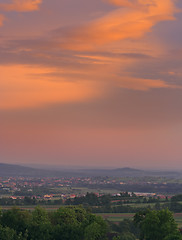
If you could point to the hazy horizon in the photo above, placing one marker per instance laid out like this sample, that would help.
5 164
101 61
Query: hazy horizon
91 83
87 167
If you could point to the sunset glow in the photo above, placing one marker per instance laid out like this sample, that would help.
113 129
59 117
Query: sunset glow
93 83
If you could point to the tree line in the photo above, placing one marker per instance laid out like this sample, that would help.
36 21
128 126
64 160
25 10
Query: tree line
75 223
68 223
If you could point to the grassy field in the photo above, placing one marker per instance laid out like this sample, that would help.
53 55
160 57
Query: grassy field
118 217
178 219
81 190
143 205
31 207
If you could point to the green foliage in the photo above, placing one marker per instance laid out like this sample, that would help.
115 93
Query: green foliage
16 219
91 199
126 230
40 225
93 232
125 226
116 238
176 236
70 223
75 223
127 236
7 233
156 225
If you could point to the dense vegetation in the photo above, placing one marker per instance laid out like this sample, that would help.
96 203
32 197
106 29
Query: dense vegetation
157 225
71 223
75 223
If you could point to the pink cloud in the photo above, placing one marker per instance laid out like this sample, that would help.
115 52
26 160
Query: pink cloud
21 5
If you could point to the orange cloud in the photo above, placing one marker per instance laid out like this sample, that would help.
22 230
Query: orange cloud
28 86
128 23
90 74
21 5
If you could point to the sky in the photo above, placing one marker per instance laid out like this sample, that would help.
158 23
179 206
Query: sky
91 83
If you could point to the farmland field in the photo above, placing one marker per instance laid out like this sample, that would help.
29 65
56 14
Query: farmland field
31 207
178 219
81 190
118 217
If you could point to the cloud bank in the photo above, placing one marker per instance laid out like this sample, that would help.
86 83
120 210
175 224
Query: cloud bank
21 5
132 22
87 61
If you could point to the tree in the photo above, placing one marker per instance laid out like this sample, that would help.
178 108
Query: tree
16 219
125 236
156 225
174 237
40 226
126 230
7 233
93 232
69 223
96 229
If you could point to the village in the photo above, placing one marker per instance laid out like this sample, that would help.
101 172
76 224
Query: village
50 188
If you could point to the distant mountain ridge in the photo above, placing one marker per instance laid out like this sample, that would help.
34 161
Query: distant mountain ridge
132 172
12 170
